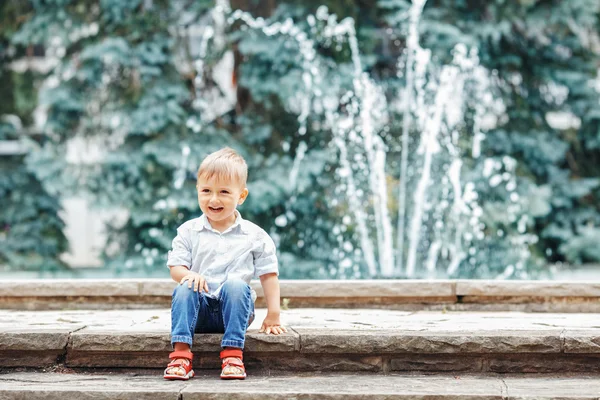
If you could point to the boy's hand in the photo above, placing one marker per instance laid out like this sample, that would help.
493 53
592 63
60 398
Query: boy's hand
196 280
272 325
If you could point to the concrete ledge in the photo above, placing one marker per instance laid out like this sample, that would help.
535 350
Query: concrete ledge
367 340
310 288
327 386
486 288
431 342
70 287
458 295
34 340
111 341
31 348
289 288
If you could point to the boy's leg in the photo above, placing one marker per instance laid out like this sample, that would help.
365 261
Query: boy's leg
185 307
236 309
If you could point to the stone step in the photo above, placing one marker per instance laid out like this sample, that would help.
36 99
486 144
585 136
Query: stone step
378 341
458 295
327 386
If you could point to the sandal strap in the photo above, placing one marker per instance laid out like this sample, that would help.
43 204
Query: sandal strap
237 353
233 363
177 363
181 354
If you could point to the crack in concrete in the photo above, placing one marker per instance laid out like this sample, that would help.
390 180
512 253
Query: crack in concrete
563 340
299 338
180 393
504 390
60 360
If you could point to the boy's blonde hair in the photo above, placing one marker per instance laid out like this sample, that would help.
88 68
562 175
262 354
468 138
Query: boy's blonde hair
224 164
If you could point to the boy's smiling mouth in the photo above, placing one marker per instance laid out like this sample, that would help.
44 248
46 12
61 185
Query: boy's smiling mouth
215 209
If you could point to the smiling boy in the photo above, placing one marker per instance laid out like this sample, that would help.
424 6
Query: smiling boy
213 259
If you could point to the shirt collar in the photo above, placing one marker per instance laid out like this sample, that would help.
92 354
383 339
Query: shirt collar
202 223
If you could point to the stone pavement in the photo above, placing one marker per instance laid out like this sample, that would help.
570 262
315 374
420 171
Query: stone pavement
365 340
327 386
455 295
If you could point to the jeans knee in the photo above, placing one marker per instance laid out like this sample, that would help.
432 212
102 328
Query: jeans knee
236 288
183 292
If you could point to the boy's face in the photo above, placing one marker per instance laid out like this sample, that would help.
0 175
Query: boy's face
218 199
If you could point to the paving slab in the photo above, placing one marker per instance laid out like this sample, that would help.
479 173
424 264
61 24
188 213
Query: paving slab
289 288
556 388
318 340
493 288
70 287
30 347
581 341
159 320
51 386
456 295
430 341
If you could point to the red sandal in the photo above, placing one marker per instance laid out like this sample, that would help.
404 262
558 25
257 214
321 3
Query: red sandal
236 353
186 364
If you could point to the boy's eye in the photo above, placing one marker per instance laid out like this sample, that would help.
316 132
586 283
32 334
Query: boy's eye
205 190
224 191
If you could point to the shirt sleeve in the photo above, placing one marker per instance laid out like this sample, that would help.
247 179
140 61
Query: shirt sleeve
181 252
265 258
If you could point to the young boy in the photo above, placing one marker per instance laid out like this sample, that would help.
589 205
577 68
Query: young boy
213 259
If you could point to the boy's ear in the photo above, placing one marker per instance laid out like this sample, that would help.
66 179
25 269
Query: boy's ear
243 196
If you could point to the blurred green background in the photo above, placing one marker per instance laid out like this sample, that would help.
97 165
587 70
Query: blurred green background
153 86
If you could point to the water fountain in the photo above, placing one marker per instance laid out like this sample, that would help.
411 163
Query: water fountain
439 229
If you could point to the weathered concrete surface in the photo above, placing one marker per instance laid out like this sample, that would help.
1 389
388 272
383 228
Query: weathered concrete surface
581 341
398 341
450 363
530 388
53 386
536 296
492 288
365 288
355 387
30 347
98 340
542 363
291 288
70 287
318 339
135 348
571 304
34 339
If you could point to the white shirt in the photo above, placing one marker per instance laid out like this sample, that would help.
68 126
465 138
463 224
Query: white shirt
243 251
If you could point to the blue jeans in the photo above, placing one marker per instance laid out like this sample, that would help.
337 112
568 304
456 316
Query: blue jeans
231 314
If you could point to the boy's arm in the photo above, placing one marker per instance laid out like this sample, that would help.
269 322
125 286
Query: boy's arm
179 261
270 285
181 273
178 272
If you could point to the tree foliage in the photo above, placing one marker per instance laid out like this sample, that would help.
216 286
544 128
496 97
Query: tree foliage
31 230
129 80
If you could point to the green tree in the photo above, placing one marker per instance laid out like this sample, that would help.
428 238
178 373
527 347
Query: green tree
135 78
546 55
31 230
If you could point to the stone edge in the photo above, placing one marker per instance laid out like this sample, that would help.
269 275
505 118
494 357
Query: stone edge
358 289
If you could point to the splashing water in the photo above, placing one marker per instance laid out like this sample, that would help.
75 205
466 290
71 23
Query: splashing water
444 220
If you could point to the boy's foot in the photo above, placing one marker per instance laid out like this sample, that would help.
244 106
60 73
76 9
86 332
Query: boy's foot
232 364
230 368
180 368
